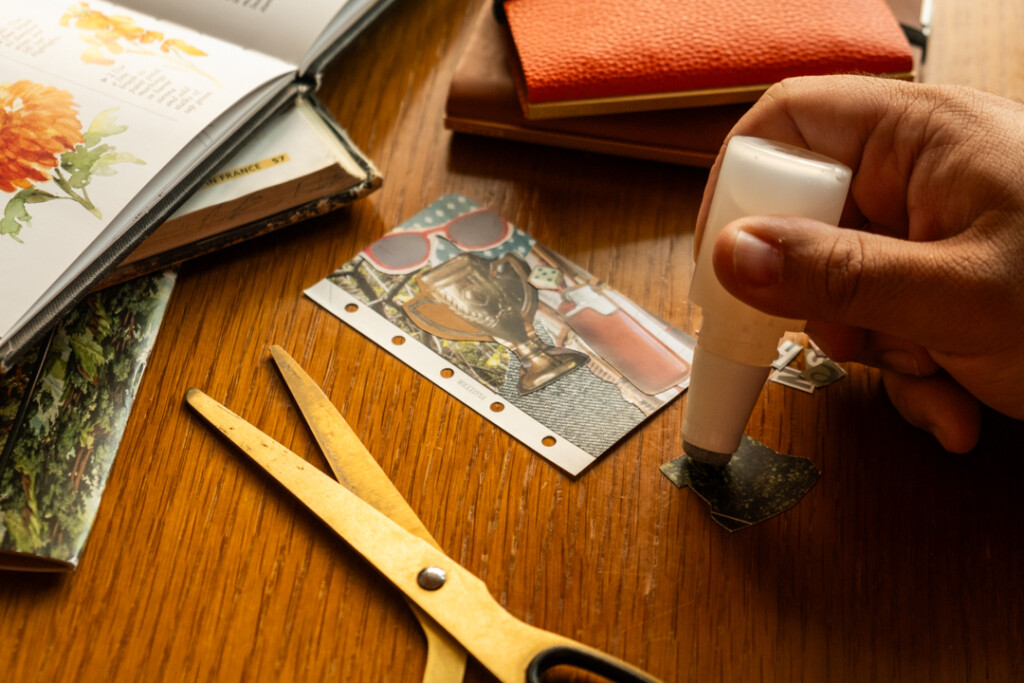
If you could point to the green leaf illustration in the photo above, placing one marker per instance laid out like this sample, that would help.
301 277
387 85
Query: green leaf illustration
102 126
89 353
90 158
104 163
102 324
93 158
83 162
16 215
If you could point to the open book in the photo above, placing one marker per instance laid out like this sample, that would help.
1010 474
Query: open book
112 114
65 403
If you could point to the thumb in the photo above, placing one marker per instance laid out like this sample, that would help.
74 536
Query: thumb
800 268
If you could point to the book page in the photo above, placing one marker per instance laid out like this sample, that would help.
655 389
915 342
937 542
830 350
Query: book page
295 144
286 29
95 102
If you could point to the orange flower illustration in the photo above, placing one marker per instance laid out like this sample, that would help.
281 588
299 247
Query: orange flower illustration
38 123
105 34
45 154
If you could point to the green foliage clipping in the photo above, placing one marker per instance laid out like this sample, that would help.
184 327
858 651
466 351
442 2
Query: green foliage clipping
54 463
91 157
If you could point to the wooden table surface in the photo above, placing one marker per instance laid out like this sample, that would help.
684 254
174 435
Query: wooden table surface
902 563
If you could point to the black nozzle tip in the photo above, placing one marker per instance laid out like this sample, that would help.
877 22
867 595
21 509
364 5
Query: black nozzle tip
706 456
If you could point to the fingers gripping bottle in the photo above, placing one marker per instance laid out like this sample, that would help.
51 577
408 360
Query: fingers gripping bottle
737 343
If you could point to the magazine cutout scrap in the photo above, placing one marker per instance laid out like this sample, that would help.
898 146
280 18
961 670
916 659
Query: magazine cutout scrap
527 339
63 411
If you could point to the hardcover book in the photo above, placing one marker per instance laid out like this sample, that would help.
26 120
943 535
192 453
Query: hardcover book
112 114
579 58
300 165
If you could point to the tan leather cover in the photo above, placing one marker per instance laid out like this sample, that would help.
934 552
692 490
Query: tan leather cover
583 57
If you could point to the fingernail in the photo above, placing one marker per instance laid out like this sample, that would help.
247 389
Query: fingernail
756 261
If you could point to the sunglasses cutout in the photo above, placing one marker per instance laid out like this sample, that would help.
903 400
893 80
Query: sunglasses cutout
407 250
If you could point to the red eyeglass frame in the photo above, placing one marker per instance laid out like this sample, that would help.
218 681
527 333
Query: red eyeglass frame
428 232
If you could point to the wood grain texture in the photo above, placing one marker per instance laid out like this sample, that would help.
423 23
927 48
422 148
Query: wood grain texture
902 563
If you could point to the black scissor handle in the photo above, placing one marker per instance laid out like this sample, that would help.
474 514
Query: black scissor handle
583 660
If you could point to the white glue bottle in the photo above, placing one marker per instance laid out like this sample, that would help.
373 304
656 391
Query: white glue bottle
737 343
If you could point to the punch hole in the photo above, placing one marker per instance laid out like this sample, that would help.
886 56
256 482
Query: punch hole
398 340
351 308
497 407
548 441
447 373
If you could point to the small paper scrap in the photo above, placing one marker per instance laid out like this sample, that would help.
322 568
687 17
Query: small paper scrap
819 370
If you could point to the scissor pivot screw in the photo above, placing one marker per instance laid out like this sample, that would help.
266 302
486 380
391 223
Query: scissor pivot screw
431 578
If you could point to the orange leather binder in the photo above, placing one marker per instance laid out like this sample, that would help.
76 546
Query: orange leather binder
482 100
581 57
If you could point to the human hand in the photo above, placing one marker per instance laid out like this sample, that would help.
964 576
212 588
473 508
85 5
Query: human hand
925 278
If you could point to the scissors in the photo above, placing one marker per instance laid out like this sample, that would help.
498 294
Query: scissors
454 607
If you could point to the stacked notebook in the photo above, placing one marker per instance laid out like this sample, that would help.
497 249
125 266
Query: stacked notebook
661 80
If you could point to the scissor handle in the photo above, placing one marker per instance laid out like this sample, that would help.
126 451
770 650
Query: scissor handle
584 660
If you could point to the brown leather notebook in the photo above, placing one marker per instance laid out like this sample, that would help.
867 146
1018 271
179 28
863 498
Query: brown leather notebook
482 100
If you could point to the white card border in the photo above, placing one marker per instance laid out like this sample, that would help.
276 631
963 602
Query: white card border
563 453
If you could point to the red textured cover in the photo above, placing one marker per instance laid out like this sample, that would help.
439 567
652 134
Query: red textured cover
593 49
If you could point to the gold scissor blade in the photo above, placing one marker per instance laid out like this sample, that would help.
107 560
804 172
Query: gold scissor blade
446 659
391 549
359 472
351 463
462 605
367 530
